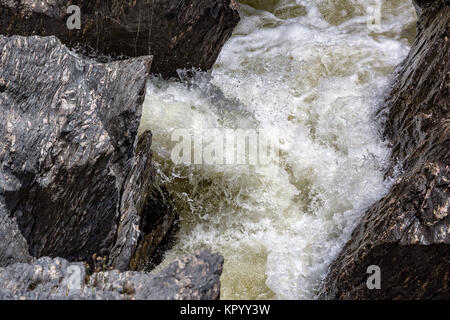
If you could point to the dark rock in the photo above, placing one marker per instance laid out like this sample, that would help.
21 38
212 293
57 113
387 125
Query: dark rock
13 246
194 277
158 231
147 215
407 233
71 177
179 34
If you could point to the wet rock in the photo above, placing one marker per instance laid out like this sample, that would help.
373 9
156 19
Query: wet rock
158 231
13 246
179 34
407 233
147 214
193 277
73 179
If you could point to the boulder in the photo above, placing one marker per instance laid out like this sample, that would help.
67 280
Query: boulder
179 34
74 179
192 277
407 233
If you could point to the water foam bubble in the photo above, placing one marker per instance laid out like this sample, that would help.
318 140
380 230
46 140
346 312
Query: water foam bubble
312 81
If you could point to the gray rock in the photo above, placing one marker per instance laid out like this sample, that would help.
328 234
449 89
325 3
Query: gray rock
179 34
13 246
72 178
194 277
407 233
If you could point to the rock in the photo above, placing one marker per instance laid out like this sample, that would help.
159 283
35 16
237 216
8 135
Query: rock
72 179
407 233
13 246
158 231
147 214
194 277
179 34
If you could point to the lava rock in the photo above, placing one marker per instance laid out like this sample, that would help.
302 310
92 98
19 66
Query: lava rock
193 277
179 34
407 233
73 179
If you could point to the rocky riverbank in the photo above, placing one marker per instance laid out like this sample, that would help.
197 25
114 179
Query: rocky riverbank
76 181
407 233
78 185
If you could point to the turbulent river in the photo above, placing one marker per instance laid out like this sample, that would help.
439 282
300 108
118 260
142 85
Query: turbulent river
311 75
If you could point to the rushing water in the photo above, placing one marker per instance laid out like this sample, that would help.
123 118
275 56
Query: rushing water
310 74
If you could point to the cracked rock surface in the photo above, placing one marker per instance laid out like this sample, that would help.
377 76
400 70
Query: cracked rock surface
74 179
192 277
179 34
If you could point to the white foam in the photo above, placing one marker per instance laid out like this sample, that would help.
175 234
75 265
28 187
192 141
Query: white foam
315 85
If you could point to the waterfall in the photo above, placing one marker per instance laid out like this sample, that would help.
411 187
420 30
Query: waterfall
310 75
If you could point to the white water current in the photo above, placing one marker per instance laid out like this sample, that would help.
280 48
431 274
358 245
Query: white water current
310 74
